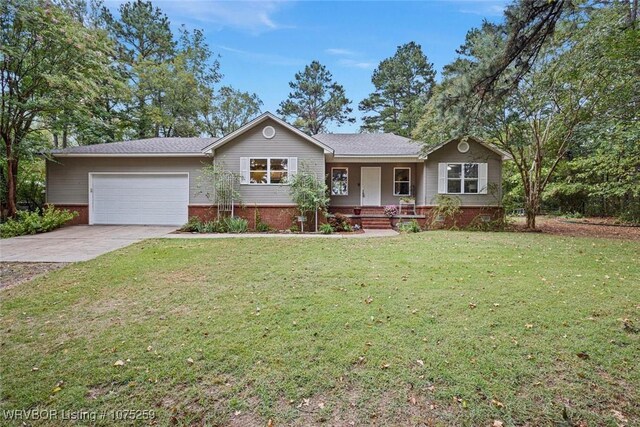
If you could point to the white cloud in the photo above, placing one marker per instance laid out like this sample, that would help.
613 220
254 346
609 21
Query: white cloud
340 52
492 8
264 58
251 16
357 64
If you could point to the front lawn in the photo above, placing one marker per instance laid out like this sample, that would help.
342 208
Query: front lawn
440 328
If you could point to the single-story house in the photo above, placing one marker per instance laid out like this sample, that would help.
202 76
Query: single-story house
160 181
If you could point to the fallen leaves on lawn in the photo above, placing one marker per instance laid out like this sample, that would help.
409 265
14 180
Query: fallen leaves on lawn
619 416
420 362
368 300
190 361
321 405
497 423
385 366
584 356
119 363
529 326
472 305
497 403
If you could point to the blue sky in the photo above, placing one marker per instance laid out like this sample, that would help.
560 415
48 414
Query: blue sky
262 44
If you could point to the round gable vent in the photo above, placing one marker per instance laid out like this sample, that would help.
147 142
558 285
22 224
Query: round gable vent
268 132
463 146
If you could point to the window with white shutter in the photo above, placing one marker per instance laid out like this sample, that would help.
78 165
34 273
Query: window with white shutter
462 178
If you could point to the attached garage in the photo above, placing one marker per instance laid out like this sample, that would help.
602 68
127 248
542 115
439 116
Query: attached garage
138 198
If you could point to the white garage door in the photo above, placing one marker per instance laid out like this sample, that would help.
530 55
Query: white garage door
150 199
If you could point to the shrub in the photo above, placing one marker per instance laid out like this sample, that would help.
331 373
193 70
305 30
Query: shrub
339 222
446 211
481 223
33 222
236 225
193 225
326 228
409 227
260 226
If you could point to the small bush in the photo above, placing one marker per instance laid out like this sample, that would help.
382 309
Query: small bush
263 227
481 223
33 222
340 222
445 212
326 228
193 225
236 225
409 227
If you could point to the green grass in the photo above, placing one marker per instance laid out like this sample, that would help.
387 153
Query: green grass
312 331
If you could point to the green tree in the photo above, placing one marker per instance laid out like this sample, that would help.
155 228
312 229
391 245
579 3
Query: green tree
50 62
231 109
316 100
535 122
403 85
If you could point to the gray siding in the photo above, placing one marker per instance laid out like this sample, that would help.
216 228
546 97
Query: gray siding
477 153
386 196
284 144
68 177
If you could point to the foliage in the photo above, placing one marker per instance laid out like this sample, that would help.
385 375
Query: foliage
559 103
339 222
257 220
223 225
308 191
235 225
230 110
316 100
409 226
482 223
391 210
403 85
39 221
326 228
446 211
49 62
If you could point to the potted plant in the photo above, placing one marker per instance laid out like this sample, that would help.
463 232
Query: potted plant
357 210
391 211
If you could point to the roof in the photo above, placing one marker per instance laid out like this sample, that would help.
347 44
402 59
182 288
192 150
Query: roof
369 144
261 118
503 154
149 146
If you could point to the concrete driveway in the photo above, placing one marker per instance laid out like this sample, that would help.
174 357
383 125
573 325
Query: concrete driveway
76 243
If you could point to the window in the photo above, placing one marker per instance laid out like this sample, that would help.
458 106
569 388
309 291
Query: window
339 181
268 171
401 181
462 178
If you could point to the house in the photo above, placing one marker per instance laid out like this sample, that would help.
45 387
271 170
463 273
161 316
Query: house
159 180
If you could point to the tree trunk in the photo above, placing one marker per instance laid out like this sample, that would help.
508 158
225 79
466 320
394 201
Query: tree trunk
12 181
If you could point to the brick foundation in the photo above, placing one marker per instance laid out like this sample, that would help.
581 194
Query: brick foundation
83 213
277 217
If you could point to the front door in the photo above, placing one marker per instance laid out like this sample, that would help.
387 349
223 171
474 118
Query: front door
370 186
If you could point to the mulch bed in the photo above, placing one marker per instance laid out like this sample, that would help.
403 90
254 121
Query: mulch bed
15 273
584 227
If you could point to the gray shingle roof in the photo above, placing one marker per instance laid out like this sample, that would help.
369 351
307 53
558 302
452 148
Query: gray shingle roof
144 146
369 144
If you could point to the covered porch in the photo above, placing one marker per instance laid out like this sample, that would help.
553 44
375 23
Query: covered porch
361 190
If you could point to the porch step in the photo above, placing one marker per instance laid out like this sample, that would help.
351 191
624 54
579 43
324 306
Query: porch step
376 223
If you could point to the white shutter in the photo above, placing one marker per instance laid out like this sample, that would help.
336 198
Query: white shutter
482 178
244 170
293 166
442 178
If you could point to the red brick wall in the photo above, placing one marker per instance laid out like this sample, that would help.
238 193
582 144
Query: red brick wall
277 217
83 213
